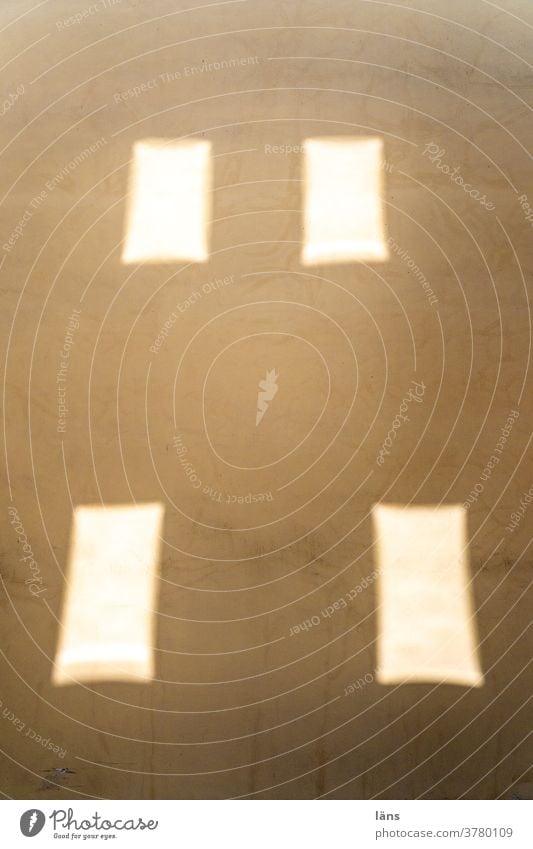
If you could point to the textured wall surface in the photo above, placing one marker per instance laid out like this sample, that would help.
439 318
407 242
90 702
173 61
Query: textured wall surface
138 384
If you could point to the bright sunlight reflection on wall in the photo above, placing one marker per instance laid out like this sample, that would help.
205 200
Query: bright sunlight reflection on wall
343 216
106 631
169 197
426 623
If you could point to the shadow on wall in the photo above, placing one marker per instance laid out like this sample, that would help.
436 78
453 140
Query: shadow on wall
137 612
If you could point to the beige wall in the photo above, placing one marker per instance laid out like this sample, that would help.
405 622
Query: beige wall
237 705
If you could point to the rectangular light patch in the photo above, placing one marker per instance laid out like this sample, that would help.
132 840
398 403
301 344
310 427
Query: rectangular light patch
169 199
426 622
343 218
107 627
